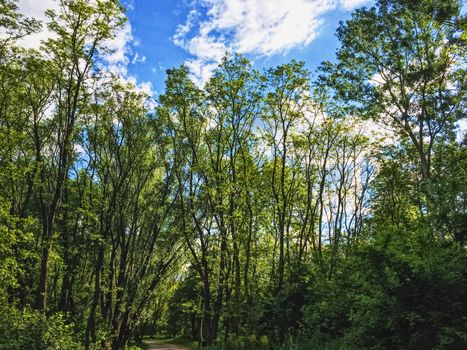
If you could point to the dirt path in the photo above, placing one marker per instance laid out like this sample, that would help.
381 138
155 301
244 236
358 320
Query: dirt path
160 345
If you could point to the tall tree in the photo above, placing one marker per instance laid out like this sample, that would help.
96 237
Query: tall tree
286 104
81 28
402 63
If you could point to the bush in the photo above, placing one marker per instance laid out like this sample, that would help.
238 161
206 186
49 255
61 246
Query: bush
396 293
30 329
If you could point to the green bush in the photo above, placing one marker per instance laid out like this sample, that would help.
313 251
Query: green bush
31 330
394 293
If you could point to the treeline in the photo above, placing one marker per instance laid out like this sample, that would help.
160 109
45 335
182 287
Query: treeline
264 210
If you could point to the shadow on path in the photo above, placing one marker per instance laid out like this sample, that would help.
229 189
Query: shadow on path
161 345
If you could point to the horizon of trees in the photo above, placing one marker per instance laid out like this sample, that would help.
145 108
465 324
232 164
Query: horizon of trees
265 210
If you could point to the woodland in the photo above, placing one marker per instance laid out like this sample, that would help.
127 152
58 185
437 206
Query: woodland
274 209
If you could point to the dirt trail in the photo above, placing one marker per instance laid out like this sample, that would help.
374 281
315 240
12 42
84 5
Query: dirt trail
160 345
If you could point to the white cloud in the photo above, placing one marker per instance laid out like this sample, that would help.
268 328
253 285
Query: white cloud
351 4
117 61
138 58
258 27
200 69
462 131
159 68
121 46
183 29
377 80
255 27
267 26
36 9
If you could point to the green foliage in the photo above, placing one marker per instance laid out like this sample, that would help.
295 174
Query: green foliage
401 291
182 309
29 329
17 254
14 24
402 63
253 213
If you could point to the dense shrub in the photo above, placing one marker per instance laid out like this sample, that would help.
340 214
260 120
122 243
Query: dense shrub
395 293
28 329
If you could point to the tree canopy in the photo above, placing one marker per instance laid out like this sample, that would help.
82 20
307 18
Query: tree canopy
263 210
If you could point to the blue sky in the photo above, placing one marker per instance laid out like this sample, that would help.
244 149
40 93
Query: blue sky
169 33
162 34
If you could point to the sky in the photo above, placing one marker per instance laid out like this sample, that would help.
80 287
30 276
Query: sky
198 33
161 34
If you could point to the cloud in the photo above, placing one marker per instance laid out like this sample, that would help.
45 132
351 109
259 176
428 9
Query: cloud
183 29
351 4
201 70
138 58
159 68
254 27
36 9
121 46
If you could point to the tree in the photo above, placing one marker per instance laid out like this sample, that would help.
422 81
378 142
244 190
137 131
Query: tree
286 104
14 24
132 189
81 29
402 63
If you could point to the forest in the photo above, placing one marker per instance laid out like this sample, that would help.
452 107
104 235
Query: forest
274 209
